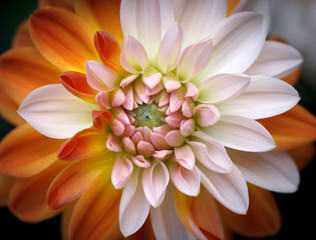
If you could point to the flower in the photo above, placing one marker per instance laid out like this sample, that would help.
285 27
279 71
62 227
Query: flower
168 108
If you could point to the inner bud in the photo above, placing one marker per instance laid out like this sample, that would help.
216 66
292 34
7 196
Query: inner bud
148 115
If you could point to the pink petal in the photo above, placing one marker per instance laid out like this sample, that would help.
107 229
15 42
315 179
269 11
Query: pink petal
100 77
171 85
185 156
192 91
187 127
186 181
129 146
187 108
113 143
174 138
118 98
140 161
103 99
121 171
128 80
151 79
176 99
155 181
118 127
145 148
162 154
134 207
158 140
206 115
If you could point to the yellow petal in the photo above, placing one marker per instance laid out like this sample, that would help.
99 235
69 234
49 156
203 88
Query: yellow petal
23 70
96 214
292 129
27 198
102 15
262 219
24 152
63 38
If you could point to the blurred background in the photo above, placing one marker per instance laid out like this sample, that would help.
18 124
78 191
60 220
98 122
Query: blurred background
295 20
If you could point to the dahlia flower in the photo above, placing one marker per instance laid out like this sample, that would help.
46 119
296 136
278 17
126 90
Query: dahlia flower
167 108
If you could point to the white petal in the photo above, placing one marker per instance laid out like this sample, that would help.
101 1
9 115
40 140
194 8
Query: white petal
210 153
186 181
155 181
147 21
133 57
222 87
100 77
198 18
276 60
169 49
275 170
165 221
237 41
134 207
265 97
55 112
230 189
241 133
194 59
121 172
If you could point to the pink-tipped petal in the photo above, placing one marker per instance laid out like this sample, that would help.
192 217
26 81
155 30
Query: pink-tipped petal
184 155
121 171
140 161
118 127
187 127
174 138
187 108
100 77
155 181
118 98
192 91
176 99
128 80
158 140
113 143
103 100
129 146
171 85
133 58
134 206
151 78
206 115
170 48
194 59
129 98
145 148
186 181
162 154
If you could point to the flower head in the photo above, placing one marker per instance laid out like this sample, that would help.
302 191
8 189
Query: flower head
168 108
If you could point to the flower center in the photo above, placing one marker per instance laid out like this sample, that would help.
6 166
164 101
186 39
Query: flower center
148 115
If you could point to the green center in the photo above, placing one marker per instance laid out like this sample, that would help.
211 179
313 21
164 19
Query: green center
148 115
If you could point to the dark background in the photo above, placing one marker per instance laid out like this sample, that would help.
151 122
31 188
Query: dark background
298 210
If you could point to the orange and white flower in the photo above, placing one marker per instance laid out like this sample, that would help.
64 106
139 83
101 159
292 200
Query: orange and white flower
165 104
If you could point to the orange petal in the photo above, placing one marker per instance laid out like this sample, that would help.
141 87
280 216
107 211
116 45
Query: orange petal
66 4
102 15
5 186
77 84
303 155
101 120
145 232
24 152
291 129
22 37
262 219
27 198
23 70
73 181
96 214
86 143
109 50
293 77
200 212
232 4
65 220
8 110
57 35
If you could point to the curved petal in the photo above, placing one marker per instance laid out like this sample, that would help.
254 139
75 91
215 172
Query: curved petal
165 220
27 198
85 144
66 4
134 206
147 21
230 189
241 133
121 171
265 97
186 181
210 153
23 70
198 18
222 87
263 218
303 155
24 152
95 215
6 183
77 84
184 155
155 180
200 215
72 181
274 171
22 37
56 34
292 129
237 41
102 15
8 110
276 60
56 113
